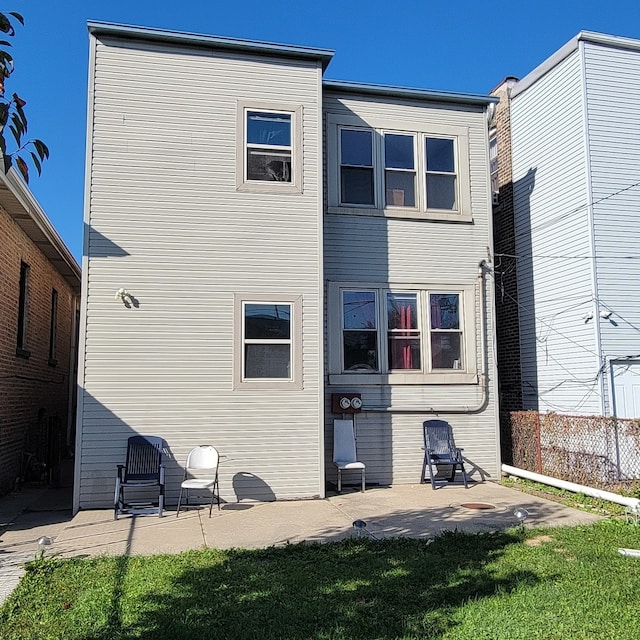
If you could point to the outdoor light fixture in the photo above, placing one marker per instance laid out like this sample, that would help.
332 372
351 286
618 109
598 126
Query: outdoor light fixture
359 526
521 515
122 293
605 314
43 543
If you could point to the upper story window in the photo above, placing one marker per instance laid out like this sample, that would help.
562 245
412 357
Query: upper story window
440 179
269 146
356 167
415 174
23 311
269 154
400 170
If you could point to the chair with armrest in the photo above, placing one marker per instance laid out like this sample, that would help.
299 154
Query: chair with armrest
440 450
142 471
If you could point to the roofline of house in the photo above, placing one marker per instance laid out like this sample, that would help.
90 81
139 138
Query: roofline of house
324 56
616 42
407 92
24 201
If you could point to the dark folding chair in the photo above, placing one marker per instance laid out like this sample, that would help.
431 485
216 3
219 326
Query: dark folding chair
142 471
440 450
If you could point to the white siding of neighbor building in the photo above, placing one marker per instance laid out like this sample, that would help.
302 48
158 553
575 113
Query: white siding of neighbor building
613 108
166 223
560 360
380 250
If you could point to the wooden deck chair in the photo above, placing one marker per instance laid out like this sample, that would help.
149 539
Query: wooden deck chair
344 450
440 450
142 471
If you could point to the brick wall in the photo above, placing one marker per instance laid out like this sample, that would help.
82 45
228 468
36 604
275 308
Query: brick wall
505 265
34 393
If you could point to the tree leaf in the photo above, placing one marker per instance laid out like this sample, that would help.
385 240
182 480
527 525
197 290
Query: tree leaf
16 135
23 168
41 148
17 16
8 160
5 25
36 162
4 114
17 123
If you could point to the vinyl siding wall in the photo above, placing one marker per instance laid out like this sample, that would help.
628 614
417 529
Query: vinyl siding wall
559 352
380 250
166 222
613 99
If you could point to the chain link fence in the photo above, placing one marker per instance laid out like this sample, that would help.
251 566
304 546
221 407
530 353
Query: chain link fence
597 451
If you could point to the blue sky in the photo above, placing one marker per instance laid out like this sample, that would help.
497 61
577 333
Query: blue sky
460 46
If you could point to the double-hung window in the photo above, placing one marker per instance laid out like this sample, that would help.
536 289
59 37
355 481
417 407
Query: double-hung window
399 170
356 167
268 146
419 332
441 177
268 338
413 173
269 154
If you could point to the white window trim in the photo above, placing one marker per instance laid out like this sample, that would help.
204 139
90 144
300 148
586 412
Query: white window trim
295 379
467 375
420 131
297 160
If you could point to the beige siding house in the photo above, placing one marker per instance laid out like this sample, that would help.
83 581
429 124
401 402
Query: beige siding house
235 206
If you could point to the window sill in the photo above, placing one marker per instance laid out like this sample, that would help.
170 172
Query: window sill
268 384
268 187
23 353
402 378
401 213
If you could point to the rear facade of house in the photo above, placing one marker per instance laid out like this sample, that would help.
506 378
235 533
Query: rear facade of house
259 239
575 153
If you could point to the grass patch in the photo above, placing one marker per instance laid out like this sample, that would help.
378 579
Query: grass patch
554 583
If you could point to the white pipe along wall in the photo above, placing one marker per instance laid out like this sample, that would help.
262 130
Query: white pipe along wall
632 503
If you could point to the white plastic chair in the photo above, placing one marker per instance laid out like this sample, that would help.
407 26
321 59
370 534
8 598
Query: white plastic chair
204 458
344 450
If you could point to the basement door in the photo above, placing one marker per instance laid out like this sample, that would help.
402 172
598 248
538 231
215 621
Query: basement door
625 376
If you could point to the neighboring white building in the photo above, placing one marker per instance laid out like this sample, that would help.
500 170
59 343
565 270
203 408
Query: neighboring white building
279 238
575 153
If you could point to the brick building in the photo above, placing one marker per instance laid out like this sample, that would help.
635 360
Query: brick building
39 296
506 284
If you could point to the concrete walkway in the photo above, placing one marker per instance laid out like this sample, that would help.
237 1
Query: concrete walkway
409 510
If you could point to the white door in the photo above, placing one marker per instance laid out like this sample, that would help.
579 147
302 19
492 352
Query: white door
626 388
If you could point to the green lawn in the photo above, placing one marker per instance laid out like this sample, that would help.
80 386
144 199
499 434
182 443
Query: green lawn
560 583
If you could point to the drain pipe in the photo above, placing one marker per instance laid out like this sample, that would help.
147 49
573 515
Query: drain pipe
632 503
483 378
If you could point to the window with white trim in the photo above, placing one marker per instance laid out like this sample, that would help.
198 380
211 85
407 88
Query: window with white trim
394 330
268 339
356 167
269 148
411 173
269 154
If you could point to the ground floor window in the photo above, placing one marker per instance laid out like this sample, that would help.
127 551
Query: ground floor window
268 339
385 330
